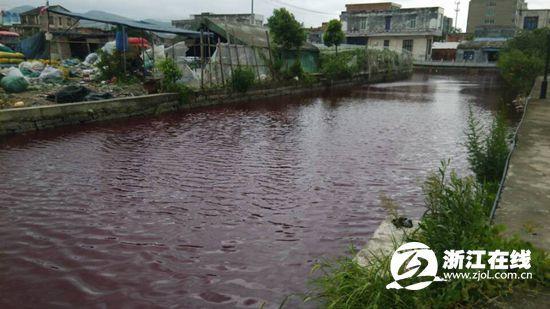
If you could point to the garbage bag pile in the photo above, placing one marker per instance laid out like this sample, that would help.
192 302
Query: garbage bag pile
73 93
8 56
14 84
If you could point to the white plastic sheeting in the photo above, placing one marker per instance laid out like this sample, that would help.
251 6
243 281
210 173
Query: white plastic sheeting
228 57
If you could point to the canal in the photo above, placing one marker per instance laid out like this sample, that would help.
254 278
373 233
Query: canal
227 206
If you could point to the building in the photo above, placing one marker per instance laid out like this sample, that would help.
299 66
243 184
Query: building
534 19
67 38
444 51
8 19
495 13
37 20
255 19
479 51
387 25
315 35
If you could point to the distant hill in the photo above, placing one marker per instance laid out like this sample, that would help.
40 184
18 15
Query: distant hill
158 22
100 15
104 15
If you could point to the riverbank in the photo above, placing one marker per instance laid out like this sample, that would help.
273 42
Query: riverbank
19 120
524 205
457 216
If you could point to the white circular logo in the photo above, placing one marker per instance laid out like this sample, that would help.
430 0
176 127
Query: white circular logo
413 267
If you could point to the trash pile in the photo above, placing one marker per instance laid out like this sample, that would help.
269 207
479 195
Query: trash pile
8 56
41 82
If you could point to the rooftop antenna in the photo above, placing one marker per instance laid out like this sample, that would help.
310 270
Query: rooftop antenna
457 2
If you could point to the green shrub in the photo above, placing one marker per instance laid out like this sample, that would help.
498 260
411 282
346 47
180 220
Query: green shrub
487 152
335 67
243 78
309 79
522 60
170 74
110 66
455 219
183 90
520 70
295 71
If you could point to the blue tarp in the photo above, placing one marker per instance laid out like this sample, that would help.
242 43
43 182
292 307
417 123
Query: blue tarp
35 47
128 23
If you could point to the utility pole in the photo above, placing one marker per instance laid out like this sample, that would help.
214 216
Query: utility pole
457 2
544 86
48 34
252 13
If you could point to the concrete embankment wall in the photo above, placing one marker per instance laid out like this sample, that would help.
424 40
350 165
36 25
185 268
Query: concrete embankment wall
18 120
455 69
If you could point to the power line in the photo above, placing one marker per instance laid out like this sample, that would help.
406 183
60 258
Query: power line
278 2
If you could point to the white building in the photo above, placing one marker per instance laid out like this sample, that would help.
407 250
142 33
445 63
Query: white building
387 25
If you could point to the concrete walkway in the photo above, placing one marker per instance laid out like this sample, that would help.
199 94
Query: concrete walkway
525 204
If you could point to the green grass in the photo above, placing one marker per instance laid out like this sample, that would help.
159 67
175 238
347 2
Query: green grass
457 217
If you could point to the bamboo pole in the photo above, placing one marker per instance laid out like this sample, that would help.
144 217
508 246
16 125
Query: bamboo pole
209 62
270 56
237 50
229 51
124 47
202 60
221 60
256 61
143 51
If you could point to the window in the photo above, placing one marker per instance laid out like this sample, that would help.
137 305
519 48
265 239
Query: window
468 55
388 23
491 3
490 11
408 45
489 21
531 22
363 24
50 20
59 21
412 22
386 43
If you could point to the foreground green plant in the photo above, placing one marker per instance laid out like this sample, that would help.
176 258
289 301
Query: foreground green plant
170 76
487 152
457 217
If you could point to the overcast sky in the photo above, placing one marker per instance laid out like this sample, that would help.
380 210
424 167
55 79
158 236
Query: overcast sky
310 12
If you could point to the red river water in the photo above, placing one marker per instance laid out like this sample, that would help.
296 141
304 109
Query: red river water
227 206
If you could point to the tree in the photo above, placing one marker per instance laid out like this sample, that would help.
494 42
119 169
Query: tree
334 34
286 30
522 60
